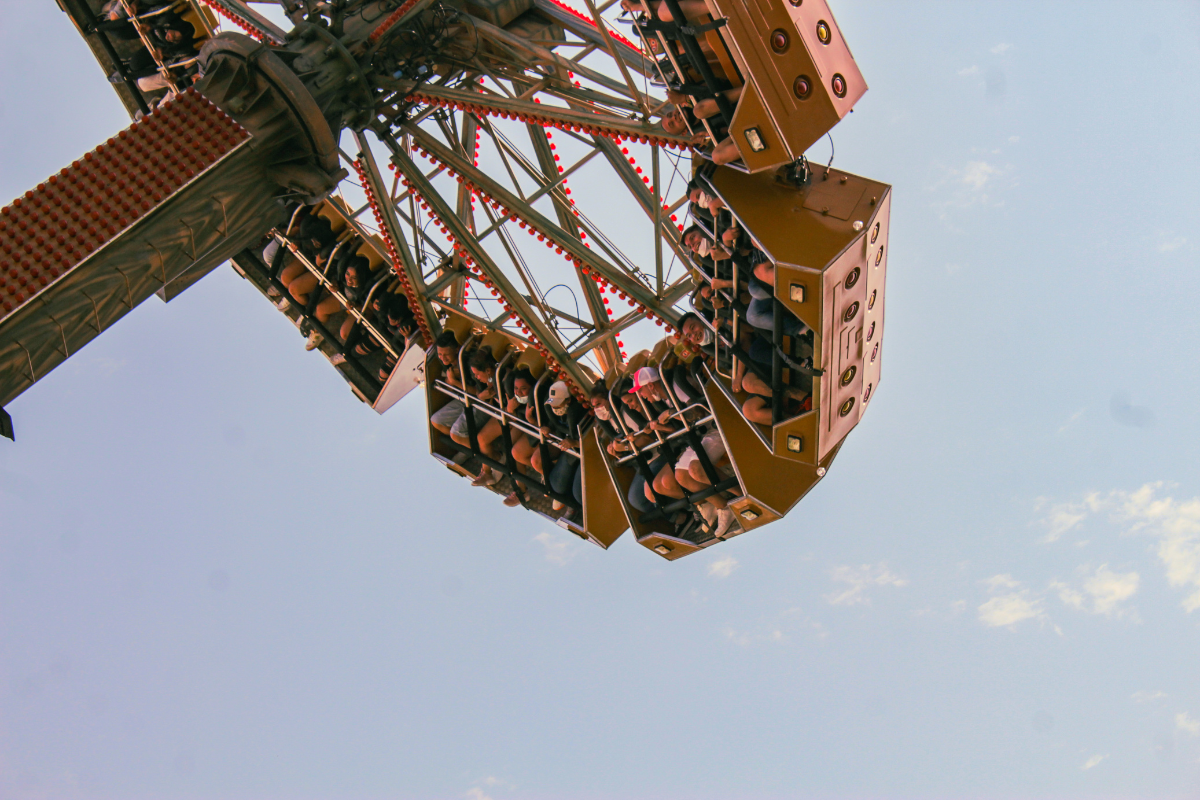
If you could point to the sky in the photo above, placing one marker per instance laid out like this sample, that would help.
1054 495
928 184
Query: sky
221 576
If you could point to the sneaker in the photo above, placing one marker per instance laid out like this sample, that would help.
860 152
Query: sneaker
337 359
512 500
116 79
726 519
485 478
283 304
558 505
272 291
710 515
314 341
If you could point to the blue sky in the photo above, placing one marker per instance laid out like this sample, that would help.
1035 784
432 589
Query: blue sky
223 577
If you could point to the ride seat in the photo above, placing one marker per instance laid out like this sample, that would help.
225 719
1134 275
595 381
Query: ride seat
460 326
638 361
372 250
496 343
660 352
533 361
334 211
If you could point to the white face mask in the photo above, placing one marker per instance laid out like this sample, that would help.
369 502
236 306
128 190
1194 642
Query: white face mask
561 411
603 413
708 338
522 400
704 247
705 199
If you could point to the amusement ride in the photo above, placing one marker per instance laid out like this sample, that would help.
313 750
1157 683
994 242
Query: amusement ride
589 235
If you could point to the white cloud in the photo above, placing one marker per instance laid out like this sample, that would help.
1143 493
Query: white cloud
1063 517
747 638
1001 48
1174 523
722 567
776 629
1177 526
1011 604
1009 609
977 173
1103 591
1186 724
997 582
1014 139
559 550
858 580
967 72
1171 245
1144 696
475 793
1071 420
1093 761
1108 589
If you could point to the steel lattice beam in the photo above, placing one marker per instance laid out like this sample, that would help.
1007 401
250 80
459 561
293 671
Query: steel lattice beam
540 330
635 289
391 224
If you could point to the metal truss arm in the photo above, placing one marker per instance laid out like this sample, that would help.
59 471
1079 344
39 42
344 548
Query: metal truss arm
540 330
638 291
387 215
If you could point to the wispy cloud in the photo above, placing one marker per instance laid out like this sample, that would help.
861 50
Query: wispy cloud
1071 420
1174 523
776 629
967 72
559 550
1059 518
976 174
1102 593
1002 48
973 184
723 567
1145 696
1093 761
475 793
1011 603
857 580
1172 244
1187 724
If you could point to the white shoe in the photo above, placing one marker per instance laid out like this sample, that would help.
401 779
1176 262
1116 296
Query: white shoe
283 304
337 359
726 519
314 341
557 505
710 515
272 291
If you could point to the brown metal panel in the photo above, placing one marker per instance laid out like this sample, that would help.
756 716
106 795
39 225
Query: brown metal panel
876 241
772 484
668 547
603 518
796 57
751 115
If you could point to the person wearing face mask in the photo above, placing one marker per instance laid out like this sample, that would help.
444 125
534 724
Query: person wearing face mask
616 443
518 388
564 418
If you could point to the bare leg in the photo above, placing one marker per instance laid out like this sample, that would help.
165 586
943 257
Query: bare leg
756 410
301 286
726 152
665 484
522 451
327 308
697 474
